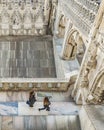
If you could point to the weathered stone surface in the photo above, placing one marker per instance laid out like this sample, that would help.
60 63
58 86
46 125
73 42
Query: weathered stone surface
27 58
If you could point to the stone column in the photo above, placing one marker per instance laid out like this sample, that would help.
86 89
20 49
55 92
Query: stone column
56 25
89 49
67 30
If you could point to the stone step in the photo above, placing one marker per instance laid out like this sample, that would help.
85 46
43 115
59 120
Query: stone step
40 122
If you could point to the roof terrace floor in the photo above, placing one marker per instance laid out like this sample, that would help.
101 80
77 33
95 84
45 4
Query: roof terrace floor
26 57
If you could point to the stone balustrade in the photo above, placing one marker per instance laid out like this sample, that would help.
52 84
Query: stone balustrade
82 13
38 84
90 4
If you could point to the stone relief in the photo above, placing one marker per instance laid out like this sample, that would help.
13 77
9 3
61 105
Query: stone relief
5 20
25 17
16 20
97 90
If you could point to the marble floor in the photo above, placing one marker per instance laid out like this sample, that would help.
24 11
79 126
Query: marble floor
21 108
8 108
22 96
26 57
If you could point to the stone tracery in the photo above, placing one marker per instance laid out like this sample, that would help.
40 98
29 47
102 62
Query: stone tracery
26 14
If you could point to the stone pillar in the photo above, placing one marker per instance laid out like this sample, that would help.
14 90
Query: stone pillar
56 25
91 41
64 46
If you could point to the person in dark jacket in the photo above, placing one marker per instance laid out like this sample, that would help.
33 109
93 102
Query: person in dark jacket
32 99
46 104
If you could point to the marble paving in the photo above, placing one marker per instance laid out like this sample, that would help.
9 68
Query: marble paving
8 108
23 96
27 57
21 108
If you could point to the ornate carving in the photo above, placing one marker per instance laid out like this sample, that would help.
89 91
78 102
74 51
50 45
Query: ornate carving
22 17
16 20
5 19
84 79
92 62
27 19
90 99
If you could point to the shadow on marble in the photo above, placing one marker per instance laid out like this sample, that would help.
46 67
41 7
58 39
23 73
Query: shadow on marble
24 109
8 108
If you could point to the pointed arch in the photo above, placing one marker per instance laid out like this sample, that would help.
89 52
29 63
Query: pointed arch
73 45
16 20
98 77
5 20
28 19
61 25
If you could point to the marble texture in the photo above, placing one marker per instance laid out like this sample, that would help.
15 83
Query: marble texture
93 117
21 108
39 122
8 108
23 96
56 108
59 118
7 123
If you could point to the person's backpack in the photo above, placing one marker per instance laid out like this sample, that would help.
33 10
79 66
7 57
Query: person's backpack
32 99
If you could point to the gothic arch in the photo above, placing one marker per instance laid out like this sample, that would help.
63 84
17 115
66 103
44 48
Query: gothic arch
61 25
5 19
28 19
70 33
98 79
73 44
16 20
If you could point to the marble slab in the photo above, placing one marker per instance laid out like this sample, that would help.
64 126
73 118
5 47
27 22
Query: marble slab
22 109
56 108
62 122
8 108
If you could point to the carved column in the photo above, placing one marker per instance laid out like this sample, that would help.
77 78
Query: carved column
85 63
58 14
65 42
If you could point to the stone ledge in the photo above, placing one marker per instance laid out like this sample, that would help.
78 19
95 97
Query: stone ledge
38 84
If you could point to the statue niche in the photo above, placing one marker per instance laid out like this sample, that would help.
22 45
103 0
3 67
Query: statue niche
5 20
71 49
16 20
27 20
62 24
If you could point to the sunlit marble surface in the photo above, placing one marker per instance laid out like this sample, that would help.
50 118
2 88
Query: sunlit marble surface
21 108
24 95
